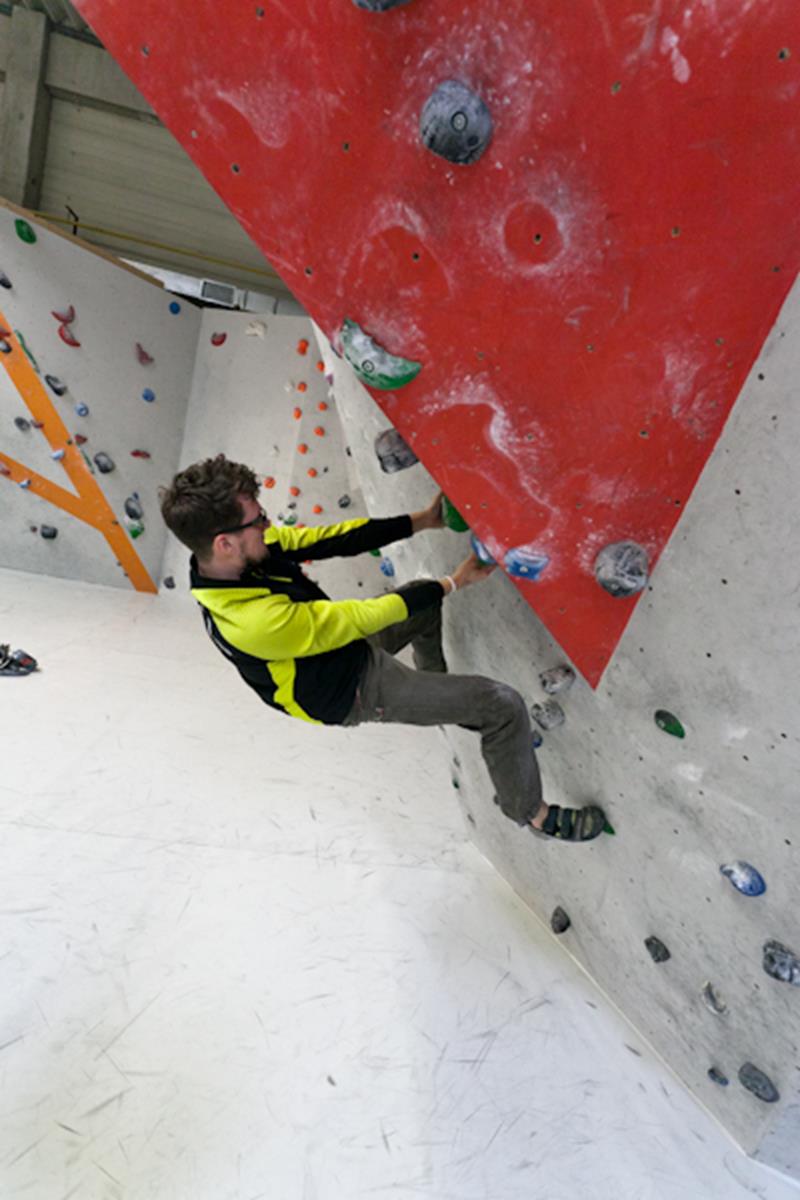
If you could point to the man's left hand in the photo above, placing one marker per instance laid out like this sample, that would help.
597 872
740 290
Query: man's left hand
430 517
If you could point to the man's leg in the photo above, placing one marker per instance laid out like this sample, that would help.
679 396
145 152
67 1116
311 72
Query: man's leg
390 691
424 632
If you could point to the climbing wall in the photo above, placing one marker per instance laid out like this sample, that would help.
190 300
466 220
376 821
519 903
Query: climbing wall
687 918
95 369
549 225
261 395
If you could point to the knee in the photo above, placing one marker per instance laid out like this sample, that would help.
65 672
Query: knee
506 698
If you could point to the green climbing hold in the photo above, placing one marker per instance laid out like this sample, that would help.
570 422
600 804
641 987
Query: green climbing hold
22 343
452 518
376 553
609 828
25 231
374 365
669 723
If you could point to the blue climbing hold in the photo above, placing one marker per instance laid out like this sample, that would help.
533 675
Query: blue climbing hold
82 409
536 739
149 395
174 307
483 553
522 563
745 878
387 567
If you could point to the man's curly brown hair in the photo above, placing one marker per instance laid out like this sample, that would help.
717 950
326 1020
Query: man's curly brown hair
203 499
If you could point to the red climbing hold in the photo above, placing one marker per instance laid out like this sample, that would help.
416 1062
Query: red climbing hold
297 414
80 439
294 491
67 317
320 366
312 472
144 358
322 406
302 387
67 336
218 339
302 346
269 482
317 508
302 448
140 453
319 431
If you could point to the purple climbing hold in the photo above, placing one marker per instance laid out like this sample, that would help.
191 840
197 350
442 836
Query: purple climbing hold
393 452
781 963
622 568
455 123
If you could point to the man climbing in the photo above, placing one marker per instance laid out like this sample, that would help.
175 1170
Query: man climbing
331 662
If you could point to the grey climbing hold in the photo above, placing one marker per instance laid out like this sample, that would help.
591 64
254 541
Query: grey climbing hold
393 452
104 463
344 501
55 384
169 582
22 423
657 950
758 1083
548 715
745 878
455 123
379 5
559 921
5 347
713 1000
622 568
49 532
133 508
781 963
716 1076
557 679
4 280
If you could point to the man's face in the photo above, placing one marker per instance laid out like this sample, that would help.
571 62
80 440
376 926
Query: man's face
245 547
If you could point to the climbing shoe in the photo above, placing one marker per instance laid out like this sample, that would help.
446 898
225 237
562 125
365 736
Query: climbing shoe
16 662
573 824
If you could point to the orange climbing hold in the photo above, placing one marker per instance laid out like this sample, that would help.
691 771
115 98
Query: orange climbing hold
320 366
294 491
317 508
319 431
302 387
297 414
269 482
302 346
312 472
302 448
322 406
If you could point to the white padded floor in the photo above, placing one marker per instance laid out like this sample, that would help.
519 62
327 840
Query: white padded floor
242 957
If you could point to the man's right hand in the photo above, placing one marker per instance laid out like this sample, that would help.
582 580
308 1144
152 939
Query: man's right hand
472 570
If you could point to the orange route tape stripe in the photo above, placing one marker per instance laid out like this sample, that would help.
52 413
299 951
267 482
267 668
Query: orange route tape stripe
90 505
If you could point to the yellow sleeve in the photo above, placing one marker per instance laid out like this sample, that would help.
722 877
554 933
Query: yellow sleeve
290 538
275 627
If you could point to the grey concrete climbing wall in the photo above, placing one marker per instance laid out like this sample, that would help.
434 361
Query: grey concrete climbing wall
715 644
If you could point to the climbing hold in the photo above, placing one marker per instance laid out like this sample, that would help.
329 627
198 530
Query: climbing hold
321 366
657 950
149 395
393 452
322 406
57 455
312 472
376 553
256 329
387 567
378 5
4 280
536 739
82 409
25 483
5 347
48 532
745 878
559 921
4 469
22 423
669 723
302 346
372 364
548 715
302 448
452 518
455 123
80 439
483 553
781 963
135 528
140 453
269 482
758 1083
319 431
302 386
144 358
291 520
55 384
317 508
524 563
344 502
88 461
713 1000
557 679
622 568
27 350
294 491
25 232
133 508
169 582
65 318
67 336
716 1076
104 463
297 414
219 339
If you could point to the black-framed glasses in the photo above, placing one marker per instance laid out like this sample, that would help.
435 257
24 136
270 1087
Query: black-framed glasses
262 520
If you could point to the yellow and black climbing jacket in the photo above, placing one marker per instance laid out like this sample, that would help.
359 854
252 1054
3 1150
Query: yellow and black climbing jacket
302 652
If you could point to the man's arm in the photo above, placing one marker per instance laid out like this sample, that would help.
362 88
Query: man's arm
430 517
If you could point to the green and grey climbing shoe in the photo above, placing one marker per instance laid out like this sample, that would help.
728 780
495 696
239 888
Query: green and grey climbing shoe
573 824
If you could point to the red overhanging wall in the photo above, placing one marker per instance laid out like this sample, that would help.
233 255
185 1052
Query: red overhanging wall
586 299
